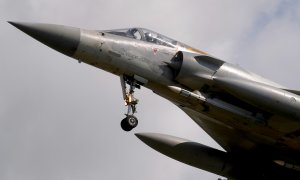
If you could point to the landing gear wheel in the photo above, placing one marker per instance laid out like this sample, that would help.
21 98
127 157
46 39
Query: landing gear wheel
128 123
132 121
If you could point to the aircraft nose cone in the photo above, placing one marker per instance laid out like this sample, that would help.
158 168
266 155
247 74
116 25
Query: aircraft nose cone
64 39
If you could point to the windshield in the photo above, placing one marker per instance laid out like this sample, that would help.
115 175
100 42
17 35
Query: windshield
159 39
145 35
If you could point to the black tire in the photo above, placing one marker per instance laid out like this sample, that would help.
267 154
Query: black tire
125 126
128 123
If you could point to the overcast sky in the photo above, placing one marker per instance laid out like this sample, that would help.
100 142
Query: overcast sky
59 120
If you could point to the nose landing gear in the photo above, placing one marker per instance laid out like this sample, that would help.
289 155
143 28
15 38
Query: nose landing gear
130 121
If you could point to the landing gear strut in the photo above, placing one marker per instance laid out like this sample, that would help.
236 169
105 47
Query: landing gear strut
130 121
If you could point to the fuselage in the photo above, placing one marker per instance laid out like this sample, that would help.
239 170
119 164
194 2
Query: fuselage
123 55
213 90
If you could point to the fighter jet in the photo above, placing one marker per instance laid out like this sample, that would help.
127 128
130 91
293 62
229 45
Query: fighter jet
256 121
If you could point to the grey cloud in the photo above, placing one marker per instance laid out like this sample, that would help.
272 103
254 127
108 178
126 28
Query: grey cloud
275 47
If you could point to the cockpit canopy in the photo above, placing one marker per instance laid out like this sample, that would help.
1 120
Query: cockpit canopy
148 36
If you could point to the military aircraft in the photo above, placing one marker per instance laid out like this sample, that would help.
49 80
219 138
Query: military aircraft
256 121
